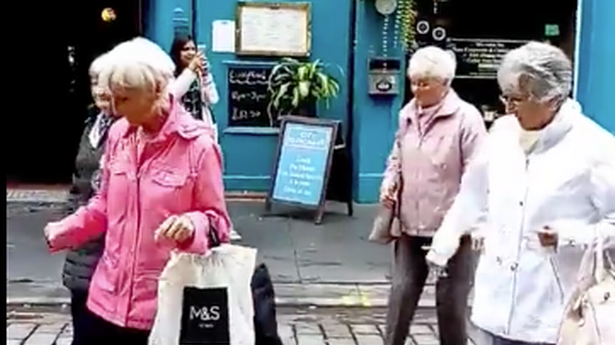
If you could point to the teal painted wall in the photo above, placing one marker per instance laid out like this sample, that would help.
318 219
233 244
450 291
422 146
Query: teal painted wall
596 61
375 118
248 152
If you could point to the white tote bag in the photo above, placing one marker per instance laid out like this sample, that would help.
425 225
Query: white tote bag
206 299
589 318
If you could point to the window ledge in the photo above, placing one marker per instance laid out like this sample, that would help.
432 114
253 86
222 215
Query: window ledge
252 130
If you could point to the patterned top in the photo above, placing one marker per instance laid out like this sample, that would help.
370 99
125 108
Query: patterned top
193 100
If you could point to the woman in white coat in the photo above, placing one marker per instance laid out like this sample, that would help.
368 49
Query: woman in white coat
547 178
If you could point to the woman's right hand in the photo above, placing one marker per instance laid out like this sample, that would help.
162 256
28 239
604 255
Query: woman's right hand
51 232
198 63
387 195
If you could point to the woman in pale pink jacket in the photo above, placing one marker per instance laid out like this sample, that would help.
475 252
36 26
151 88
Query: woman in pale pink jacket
161 190
437 135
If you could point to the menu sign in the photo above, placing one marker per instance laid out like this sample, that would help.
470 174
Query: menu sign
480 58
248 97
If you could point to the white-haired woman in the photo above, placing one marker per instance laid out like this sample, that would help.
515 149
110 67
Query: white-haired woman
547 178
161 190
81 262
438 133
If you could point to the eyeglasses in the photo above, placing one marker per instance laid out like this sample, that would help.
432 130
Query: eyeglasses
512 102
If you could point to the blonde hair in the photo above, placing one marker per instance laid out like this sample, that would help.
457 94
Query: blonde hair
433 62
138 64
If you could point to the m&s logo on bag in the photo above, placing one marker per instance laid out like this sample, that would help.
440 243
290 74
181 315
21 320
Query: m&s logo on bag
204 314
205 318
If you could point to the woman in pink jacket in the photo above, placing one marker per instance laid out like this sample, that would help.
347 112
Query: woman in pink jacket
438 133
161 190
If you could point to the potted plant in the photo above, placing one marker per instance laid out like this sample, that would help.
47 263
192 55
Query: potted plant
295 87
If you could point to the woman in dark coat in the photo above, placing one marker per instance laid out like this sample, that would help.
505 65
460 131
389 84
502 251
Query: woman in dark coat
81 262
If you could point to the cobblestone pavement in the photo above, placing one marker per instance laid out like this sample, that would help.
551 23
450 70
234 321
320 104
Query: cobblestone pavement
308 326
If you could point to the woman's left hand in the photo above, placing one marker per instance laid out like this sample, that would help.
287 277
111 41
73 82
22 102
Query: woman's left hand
176 228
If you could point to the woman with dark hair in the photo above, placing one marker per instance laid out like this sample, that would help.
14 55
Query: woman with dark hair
194 86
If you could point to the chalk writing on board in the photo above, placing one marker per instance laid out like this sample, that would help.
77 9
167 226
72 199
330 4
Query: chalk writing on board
248 97
302 163
480 58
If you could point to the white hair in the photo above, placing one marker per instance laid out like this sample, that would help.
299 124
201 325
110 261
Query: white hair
138 64
99 64
433 62
541 70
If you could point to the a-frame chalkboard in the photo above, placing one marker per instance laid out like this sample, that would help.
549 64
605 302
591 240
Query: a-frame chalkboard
303 163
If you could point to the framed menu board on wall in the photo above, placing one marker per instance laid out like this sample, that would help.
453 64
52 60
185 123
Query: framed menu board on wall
273 29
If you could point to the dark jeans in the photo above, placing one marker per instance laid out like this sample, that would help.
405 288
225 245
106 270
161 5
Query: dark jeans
410 271
89 329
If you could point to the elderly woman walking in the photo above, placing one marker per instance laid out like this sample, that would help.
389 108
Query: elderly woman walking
161 190
81 262
438 133
547 178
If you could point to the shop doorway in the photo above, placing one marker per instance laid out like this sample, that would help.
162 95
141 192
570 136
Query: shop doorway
54 87
481 31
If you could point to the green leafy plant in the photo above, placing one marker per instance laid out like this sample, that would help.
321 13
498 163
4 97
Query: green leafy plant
404 25
296 87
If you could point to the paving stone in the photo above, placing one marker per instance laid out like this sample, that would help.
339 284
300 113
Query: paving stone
341 341
287 334
336 330
420 329
425 339
369 339
41 339
365 330
19 331
305 328
310 339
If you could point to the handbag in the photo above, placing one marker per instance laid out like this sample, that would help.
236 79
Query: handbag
387 226
589 317
263 297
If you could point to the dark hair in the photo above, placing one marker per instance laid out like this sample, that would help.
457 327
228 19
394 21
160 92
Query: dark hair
179 42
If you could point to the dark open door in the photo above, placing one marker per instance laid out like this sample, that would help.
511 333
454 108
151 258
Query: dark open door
53 90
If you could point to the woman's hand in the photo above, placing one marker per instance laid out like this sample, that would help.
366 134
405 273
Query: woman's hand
205 64
51 230
198 63
387 195
547 237
176 228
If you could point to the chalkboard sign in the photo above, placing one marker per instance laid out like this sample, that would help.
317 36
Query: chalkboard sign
480 58
248 98
303 163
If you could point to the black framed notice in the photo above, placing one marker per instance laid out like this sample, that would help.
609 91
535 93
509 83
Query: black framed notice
480 58
303 163
248 97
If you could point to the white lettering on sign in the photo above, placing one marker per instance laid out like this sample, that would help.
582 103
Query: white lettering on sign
205 313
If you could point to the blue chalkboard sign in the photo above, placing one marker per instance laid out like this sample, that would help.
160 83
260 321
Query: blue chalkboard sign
303 162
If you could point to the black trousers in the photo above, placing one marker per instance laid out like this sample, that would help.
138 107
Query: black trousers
90 329
78 311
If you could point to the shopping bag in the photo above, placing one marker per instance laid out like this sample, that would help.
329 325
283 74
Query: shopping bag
590 314
206 299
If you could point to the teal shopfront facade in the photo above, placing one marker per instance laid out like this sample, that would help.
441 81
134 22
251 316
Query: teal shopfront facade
348 33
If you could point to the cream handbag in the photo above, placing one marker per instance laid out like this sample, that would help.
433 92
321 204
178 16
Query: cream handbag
589 318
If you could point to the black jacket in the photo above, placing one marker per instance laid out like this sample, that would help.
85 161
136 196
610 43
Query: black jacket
81 263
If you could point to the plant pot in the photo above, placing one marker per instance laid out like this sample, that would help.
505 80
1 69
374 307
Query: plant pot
307 109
